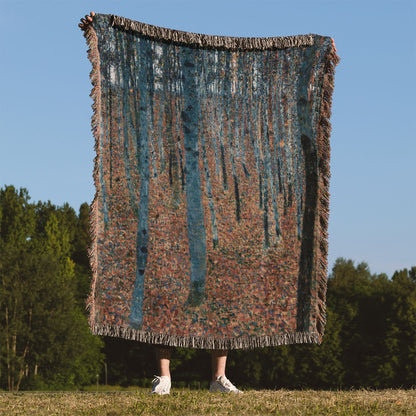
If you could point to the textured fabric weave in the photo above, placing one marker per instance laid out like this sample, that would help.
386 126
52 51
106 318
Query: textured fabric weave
212 173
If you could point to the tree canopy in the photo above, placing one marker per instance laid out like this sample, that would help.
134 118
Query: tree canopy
45 340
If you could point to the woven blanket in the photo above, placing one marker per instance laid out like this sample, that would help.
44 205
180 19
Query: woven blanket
209 223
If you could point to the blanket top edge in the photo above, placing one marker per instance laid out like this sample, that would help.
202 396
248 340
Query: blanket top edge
200 40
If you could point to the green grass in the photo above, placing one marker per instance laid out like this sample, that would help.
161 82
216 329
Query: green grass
201 402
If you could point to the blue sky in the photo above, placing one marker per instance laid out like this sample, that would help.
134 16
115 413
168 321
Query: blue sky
46 144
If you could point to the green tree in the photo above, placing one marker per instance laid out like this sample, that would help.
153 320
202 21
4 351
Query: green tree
79 255
378 325
46 339
401 335
17 225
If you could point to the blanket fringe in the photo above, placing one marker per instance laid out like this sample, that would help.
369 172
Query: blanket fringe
205 342
93 56
210 41
324 151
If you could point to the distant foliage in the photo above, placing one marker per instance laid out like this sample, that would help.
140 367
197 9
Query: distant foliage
45 342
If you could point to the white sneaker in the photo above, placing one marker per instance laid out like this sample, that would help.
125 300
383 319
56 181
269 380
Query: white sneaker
223 385
161 385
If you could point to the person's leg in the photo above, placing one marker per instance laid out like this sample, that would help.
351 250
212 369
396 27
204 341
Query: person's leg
218 363
162 383
219 381
163 360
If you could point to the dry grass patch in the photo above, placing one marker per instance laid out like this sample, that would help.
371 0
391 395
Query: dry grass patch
201 402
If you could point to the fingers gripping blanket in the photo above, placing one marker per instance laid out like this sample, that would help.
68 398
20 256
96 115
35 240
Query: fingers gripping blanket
209 223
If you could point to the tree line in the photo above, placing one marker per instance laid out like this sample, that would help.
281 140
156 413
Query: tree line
45 342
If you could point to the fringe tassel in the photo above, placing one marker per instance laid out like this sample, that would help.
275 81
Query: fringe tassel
209 41
204 342
93 56
324 151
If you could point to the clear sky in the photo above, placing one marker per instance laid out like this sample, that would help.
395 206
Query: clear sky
46 144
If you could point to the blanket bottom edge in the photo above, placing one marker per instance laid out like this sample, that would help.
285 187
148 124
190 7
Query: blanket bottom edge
243 342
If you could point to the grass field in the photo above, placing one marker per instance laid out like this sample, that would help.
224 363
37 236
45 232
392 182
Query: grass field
201 402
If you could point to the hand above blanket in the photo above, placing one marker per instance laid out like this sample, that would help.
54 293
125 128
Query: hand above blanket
85 22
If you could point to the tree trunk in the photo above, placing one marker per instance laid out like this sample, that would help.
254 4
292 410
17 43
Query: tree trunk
195 212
